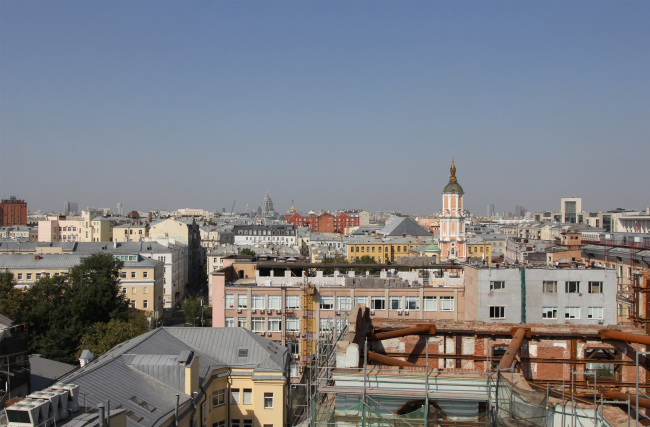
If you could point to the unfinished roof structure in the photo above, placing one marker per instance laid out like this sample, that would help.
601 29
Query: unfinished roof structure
415 373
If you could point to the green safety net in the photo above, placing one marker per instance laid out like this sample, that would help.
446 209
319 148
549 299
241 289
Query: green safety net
355 414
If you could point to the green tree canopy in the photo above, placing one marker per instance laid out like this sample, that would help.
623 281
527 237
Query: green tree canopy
60 309
247 251
101 337
194 314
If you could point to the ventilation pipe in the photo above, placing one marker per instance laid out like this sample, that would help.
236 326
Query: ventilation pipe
390 361
178 396
418 330
513 348
101 415
625 336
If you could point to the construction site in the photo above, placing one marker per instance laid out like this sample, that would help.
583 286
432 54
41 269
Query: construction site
410 373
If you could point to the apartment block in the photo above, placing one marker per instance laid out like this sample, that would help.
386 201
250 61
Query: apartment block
541 295
13 212
141 278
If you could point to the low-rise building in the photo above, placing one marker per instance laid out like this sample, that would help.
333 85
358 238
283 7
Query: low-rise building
189 377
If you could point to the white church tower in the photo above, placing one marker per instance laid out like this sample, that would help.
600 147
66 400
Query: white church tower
452 221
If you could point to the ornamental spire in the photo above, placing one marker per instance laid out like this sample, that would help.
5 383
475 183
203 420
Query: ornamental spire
453 172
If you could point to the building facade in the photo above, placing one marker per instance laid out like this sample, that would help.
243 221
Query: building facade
13 212
541 295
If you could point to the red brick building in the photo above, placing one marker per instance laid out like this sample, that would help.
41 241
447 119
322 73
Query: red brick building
13 212
323 222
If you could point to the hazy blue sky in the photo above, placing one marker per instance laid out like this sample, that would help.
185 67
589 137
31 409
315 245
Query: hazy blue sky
170 104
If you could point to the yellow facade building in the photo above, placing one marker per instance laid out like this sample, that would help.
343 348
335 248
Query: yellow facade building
477 248
382 250
141 279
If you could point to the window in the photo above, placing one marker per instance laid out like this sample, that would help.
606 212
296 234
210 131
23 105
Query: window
394 303
248 423
123 290
572 287
275 302
257 301
257 324
230 301
378 303
595 313
230 322
275 324
234 397
145 274
341 323
343 303
326 303
412 303
242 301
28 276
145 304
234 423
133 275
133 304
497 312
446 303
549 287
292 324
241 322
572 313
430 303
327 324
19 276
595 287
219 398
497 286
122 274
134 290
549 313
361 300
268 400
292 302
145 290
248 399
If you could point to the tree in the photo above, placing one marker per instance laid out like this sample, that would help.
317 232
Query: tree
366 259
101 337
304 249
247 251
195 313
337 259
60 309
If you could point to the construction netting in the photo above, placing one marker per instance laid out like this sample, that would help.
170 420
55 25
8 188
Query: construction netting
520 404
370 414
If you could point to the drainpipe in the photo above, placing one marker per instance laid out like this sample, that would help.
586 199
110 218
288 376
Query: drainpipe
523 294
108 413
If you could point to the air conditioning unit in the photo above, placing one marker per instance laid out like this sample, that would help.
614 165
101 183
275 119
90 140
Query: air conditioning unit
254 310
269 311
399 312
372 312
338 313
262 333
239 310
406 312
600 322
278 311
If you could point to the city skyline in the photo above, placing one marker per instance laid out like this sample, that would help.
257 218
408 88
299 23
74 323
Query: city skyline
332 105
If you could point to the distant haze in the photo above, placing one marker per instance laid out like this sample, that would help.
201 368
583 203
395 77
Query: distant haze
164 105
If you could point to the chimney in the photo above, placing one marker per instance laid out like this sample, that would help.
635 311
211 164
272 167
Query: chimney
85 358
149 216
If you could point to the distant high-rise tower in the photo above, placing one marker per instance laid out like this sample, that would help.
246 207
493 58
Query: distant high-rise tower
267 206
70 208
490 211
120 209
519 211
452 220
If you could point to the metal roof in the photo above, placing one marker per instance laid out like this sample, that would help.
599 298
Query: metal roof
398 226
146 367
